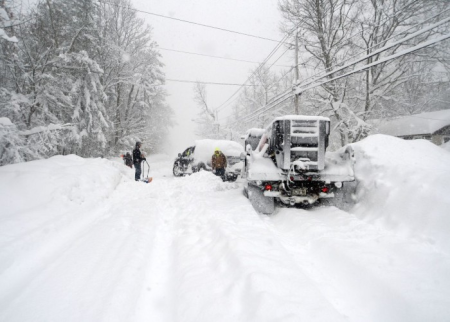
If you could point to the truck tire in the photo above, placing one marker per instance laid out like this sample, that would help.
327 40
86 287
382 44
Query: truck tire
262 204
177 171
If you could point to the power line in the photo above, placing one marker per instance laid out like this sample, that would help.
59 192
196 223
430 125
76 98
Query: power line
254 114
257 69
272 103
382 49
227 58
425 118
273 64
388 58
398 12
377 44
206 83
190 22
275 98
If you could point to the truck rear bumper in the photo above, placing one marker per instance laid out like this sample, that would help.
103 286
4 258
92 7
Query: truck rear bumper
310 199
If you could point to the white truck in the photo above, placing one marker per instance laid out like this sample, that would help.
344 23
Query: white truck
290 163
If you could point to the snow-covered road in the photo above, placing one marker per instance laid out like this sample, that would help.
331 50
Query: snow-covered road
92 245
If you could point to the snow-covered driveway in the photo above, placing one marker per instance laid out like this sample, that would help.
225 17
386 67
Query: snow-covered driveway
82 242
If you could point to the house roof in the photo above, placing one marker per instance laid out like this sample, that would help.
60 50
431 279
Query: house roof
423 123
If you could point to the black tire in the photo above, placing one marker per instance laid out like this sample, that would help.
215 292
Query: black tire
177 171
245 192
201 166
262 204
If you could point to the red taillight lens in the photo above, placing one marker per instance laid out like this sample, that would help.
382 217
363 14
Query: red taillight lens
268 187
291 178
325 189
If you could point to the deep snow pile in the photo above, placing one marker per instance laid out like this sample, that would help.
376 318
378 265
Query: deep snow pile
81 241
50 200
404 186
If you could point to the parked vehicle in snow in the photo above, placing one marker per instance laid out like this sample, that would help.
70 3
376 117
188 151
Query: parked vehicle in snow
289 163
199 156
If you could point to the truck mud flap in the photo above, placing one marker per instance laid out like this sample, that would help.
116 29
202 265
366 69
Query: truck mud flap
262 204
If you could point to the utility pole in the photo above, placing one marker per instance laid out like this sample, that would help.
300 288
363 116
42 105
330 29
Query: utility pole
216 121
296 71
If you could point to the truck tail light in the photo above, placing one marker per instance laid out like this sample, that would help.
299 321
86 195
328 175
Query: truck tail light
268 187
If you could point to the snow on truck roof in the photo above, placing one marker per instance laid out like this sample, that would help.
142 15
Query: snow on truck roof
255 132
423 123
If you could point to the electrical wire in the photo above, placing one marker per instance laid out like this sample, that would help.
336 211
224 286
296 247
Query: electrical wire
280 43
258 85
256 115
273 102
269 106
190 22
388 58
377 44
398 12
227 58
382 49
206 83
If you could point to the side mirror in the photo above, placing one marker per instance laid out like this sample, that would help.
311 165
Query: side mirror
242 156
179 155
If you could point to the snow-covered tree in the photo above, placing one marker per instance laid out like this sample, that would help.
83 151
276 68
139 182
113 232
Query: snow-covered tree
83 78
6 23
336 32
12 146
208 125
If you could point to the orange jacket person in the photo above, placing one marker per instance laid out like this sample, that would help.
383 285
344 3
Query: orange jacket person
219 163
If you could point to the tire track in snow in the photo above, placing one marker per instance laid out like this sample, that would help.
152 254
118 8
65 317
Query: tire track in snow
224 266
155 302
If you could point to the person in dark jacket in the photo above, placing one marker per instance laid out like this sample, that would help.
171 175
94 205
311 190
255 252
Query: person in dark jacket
138 157
219 163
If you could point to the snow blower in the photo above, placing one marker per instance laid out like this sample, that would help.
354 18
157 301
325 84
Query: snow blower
146 179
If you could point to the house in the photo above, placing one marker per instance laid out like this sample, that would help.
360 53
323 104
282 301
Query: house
432 126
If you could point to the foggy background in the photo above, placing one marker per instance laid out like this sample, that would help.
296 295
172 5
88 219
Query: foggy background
256 17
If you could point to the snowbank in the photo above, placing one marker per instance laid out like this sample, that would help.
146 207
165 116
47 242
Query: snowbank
404 186
44 204
56 182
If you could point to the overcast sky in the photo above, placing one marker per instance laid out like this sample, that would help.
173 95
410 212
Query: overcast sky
258 17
